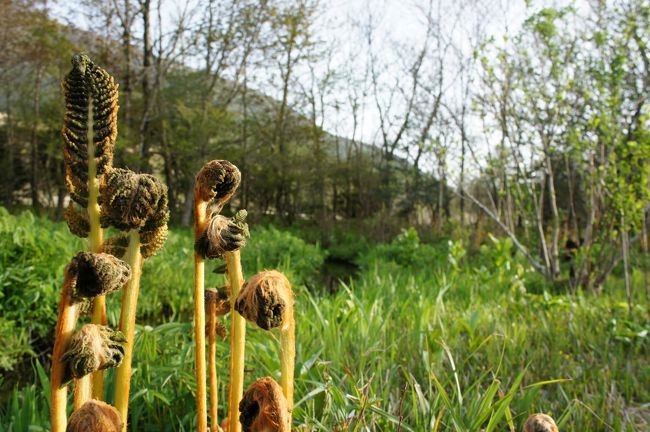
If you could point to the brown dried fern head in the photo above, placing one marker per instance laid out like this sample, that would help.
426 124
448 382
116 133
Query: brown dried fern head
97 274
90 110
265 298
134 201
221 235
95 416
94 347
216 183
129 199
540 423
264 407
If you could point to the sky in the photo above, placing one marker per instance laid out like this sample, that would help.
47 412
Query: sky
401 25
398 33
401 28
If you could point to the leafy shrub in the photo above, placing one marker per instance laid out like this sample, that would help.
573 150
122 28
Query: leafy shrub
406 250
13 344
270 248
347 245
33 255
500 261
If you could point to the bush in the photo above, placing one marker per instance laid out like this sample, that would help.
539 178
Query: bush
406 250
14 344
33 255
270 248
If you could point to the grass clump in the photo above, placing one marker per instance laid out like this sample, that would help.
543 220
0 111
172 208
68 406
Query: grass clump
270 247
367 354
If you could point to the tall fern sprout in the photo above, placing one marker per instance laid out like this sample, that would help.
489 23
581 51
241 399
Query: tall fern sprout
137 204
217 236
216 304
101 196
267 300
94 347
89 132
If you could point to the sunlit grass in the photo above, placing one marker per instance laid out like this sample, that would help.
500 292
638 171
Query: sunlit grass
415 343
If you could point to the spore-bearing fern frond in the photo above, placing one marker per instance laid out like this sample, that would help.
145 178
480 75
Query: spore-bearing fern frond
77 220
222 235
94 347
129 199
150 242
216 183
154 232
134 201
116 245
97 274
91 106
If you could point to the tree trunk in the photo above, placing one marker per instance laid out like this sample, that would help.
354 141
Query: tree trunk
244 143
555 231
126 79
167 165
461 181
34 140
189 204
584 271
441 198
7 161
539 213
644 248
146 87
625 244
279 132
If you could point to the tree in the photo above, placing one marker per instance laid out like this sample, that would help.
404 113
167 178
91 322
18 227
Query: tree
569 107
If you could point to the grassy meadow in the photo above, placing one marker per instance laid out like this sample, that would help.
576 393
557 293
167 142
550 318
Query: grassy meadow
422 337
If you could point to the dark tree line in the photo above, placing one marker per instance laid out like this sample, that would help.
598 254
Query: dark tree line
187 94
541 136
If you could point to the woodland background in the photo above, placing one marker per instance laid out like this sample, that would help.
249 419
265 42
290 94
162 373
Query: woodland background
542 134
472 150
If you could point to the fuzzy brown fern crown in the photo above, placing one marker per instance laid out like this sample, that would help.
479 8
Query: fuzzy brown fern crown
264 407
216 183
133 201
95 416
90 114
264 299
94 347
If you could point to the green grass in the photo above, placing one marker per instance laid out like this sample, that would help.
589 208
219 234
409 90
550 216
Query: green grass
424 338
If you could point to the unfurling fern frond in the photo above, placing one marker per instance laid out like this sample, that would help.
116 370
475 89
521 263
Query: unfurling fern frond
135 202
89 129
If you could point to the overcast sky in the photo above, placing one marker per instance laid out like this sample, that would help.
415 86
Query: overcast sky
400 26
399 30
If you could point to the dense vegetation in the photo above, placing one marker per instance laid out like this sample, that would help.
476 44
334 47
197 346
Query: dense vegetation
422 335
541 135
464 213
